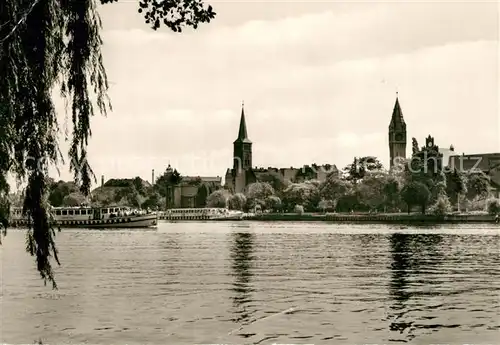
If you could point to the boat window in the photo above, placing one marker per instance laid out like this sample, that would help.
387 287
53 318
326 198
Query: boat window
64 212
77 212
70 212
105 211
58 212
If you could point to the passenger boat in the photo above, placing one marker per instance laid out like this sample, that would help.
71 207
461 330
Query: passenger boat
214 213
92 217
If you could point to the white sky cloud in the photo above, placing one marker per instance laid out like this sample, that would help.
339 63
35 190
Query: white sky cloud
327 72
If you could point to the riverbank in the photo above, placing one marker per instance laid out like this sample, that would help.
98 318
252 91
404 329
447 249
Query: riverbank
388 218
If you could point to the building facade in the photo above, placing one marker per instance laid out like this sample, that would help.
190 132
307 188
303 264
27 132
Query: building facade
193 191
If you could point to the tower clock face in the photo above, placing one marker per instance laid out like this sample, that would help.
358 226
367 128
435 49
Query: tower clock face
399 136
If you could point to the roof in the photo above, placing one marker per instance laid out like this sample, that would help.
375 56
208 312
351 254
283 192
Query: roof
202 178
242 133
485 162
397 120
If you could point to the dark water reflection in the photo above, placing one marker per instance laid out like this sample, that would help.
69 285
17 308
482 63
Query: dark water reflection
257 283
241 255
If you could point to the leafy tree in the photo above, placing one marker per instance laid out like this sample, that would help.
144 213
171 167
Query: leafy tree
119 182
425 167
275 180
74 199
333 187
326 205
273 203
219 198
49 43
202 195
476 204
360 167
257 193
391 191
299 209
414 146
138 185
165 184
478 184
456 184
416 194
305 193
58 191
442 206
493 206
371 190
237 202
153 201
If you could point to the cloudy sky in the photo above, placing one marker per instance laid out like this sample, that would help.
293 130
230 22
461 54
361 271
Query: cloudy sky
318 79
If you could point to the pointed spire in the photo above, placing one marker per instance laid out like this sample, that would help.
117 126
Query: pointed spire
397 119
242 133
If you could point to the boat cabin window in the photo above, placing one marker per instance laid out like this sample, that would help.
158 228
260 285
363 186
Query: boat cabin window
70 212
105 210
64 212
58 212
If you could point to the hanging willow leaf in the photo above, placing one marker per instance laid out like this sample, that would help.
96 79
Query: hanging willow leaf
46 44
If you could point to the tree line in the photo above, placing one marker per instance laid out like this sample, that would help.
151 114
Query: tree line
421 183
132 192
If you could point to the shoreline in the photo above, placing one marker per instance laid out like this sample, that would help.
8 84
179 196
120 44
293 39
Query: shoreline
384 218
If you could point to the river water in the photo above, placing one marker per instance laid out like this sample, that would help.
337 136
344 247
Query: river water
258 283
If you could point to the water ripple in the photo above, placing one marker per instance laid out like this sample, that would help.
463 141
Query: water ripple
249 283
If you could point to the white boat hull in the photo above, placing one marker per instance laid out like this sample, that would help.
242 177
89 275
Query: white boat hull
141 221
200 214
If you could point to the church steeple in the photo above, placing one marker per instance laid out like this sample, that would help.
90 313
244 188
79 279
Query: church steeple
242 146
397 135
242 133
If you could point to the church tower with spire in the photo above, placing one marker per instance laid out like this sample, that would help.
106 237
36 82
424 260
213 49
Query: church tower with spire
242 147
397 135
242 173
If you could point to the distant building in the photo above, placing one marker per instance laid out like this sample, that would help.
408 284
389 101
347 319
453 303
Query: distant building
488 163
192 191
243 174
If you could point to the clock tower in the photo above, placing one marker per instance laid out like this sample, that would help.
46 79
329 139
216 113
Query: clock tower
397 135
